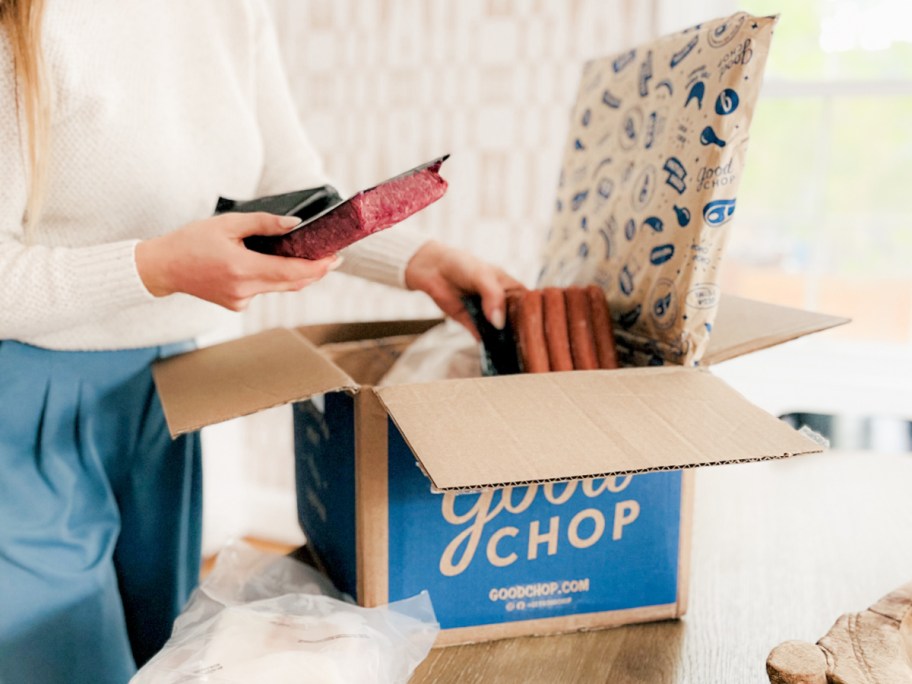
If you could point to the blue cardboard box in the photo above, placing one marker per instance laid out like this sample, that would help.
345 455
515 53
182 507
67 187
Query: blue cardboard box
526 504
532 558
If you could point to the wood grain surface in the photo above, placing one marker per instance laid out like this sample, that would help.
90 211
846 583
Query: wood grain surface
781 549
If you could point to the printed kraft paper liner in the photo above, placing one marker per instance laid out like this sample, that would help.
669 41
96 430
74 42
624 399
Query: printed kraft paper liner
647 190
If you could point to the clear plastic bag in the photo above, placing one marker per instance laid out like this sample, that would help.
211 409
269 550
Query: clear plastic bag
445 351
260 617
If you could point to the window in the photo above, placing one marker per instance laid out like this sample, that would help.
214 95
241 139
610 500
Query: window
825 218
825 208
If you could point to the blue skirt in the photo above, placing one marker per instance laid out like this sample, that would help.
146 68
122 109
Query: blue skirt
100 515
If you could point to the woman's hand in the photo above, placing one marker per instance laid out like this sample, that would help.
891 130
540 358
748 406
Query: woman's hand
446 274
207 259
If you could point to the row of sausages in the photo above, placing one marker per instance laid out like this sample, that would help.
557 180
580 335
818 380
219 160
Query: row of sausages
562 329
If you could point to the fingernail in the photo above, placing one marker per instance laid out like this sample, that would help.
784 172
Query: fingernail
335 264
290 221
497 318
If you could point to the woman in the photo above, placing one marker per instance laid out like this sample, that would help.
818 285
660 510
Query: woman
122 122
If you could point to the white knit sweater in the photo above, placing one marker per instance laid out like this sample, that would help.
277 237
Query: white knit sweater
159 108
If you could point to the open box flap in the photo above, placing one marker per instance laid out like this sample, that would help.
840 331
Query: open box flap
744 325
241 377
485 432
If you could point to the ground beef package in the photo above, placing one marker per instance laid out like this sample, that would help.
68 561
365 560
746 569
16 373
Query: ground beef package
330 224
648 185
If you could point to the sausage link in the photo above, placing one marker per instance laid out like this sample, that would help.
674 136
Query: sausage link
558 339
601 328
530 333
582 343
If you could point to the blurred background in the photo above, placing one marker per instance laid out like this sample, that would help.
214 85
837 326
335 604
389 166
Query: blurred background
823 223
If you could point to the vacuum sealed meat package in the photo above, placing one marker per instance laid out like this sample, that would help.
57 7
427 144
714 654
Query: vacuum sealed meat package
649 180
264 618
330 224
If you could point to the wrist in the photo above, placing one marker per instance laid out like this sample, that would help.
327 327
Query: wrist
152 267
428 255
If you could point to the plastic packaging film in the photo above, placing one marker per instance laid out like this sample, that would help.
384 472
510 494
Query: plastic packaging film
260 617
648 185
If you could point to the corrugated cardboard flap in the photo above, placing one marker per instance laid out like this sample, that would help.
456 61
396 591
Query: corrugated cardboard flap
484 432
241 377
744 325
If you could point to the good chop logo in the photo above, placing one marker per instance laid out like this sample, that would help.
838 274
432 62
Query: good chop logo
715 176
490 504
740 54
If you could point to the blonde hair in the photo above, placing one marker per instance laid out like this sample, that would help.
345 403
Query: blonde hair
21 19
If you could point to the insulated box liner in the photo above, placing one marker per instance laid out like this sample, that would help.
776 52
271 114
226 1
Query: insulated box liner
648 186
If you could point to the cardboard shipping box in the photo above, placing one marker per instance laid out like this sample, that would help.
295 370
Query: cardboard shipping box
525 504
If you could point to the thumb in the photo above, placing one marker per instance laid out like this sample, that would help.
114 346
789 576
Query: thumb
493 299
241 225
495 290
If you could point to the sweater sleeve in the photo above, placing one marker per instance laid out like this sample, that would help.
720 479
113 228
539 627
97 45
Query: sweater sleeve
292 163
47 289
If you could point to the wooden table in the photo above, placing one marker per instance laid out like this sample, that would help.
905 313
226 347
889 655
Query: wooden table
780 550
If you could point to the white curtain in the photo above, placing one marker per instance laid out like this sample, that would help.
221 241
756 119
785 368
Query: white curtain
384 85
